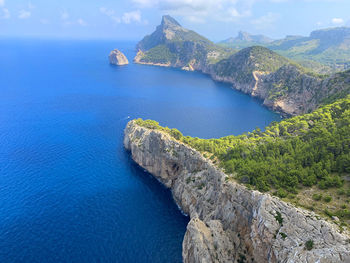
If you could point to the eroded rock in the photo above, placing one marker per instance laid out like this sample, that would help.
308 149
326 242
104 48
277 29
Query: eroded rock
116 57
230 223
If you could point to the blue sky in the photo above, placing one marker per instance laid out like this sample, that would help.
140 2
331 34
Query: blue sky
130 20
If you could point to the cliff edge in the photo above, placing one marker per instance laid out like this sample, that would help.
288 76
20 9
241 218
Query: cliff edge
280 83
230 223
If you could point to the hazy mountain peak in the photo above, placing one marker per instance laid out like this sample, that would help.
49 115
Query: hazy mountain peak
169 30
169 21
244 39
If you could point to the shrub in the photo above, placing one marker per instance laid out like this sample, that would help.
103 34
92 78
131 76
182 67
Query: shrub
309 244
317 197
283 235
281 193
279 218
176 134
327 198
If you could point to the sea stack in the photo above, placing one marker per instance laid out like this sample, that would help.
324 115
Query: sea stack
116 57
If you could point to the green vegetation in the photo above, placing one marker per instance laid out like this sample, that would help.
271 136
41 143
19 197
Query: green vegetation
327 198
324 51
241 65
312 149
304 160
283 235
159 54
171 43
279 218
309 244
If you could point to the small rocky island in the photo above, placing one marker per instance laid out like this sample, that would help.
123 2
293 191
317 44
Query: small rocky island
116 57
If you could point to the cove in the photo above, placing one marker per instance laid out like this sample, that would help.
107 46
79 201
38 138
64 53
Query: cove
69 192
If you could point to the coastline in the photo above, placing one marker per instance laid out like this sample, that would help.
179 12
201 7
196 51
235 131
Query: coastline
246 90
228 221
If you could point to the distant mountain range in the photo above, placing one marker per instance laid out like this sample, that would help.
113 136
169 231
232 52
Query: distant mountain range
325 51
244 39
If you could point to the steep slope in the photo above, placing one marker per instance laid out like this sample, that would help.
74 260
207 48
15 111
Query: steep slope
173 45
230 223
280 83
239 67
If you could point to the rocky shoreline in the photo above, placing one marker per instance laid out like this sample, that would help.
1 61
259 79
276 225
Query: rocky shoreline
279 83
229 222
259 89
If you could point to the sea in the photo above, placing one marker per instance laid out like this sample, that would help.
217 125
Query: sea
69 191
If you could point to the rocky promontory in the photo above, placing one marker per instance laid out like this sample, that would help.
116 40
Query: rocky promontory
116 57
230 223
281 84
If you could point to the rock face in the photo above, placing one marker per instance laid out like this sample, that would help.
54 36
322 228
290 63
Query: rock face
281 85
173 45
230 223
116 57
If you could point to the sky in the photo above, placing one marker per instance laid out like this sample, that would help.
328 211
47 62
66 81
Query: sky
132 19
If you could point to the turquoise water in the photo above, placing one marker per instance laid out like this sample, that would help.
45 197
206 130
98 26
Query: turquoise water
69 192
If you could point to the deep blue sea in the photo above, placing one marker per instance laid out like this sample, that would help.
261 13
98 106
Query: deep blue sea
69 192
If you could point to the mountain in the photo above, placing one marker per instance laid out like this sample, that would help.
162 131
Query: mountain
169 31
172 45
304 161
281 84
329 47
244 40
325 51
240 67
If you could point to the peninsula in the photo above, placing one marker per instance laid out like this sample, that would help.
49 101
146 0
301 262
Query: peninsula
281 84
278 195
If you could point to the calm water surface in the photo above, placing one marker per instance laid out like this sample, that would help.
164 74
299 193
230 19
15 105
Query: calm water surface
68 190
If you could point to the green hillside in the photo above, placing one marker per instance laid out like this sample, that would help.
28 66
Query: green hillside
241 65
325 51
310 152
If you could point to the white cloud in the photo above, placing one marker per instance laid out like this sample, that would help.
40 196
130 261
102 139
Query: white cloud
110 13
24 14
265 21
81 22
64 15
106 11
337 21
2 2
5 13
125 18
201 10
129 17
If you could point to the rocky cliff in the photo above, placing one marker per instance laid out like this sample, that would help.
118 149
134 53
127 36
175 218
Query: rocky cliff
230 223
116 57
281 84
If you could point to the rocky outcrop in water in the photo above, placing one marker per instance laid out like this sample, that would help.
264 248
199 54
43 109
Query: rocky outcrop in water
116 57
230 223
